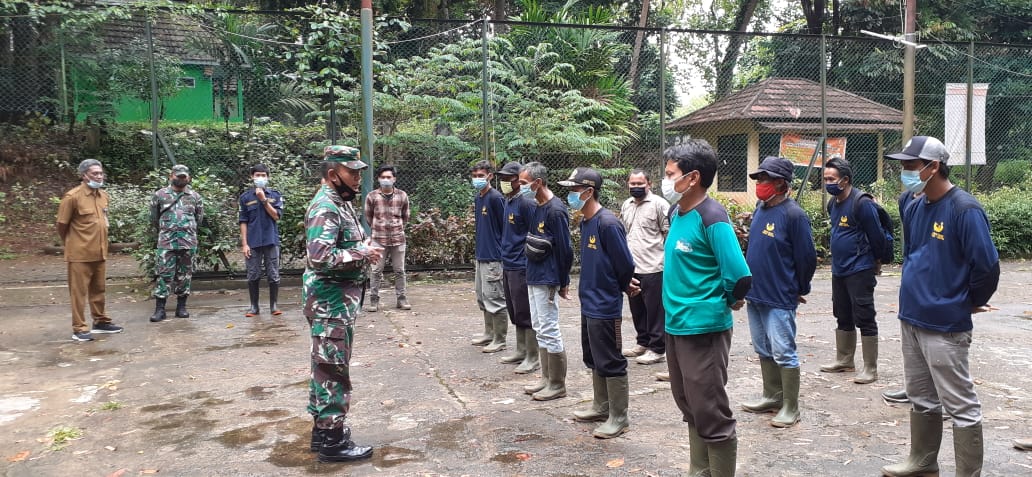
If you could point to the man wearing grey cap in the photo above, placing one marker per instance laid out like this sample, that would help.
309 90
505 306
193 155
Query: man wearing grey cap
175 213
944 228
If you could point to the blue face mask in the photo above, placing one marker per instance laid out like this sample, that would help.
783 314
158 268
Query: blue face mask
479 183
573 198
912 180
95 184
526 191
833 188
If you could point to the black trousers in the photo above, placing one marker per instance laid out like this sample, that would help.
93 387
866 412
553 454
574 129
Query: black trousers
600 340
647 312
852 299
698 381
517 302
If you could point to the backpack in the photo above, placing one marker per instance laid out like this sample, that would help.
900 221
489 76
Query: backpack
888 228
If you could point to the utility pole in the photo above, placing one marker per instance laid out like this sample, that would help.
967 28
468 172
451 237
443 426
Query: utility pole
909 24
367 95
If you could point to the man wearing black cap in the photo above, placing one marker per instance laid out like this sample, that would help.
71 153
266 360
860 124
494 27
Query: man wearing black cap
514 268
607 271
945 229
782 258
176 212
856 236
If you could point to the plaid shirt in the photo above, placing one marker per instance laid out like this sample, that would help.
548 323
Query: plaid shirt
387 216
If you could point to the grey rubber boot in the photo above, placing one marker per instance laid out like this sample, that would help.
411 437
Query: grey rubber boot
698 452
521 348
618 400
870 350
373 306
788 416
543 359
499 332
488 335
723 457
556 378
845 347
599 402
967 445
925 438
532 361
771 400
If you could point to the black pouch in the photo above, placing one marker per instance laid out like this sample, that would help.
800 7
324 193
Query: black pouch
537 247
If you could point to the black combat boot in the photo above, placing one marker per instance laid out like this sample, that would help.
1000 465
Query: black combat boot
318 436
252 294
159 310
337 446
181 307
274 298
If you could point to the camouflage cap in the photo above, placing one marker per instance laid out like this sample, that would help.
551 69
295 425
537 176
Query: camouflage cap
348 156
180 170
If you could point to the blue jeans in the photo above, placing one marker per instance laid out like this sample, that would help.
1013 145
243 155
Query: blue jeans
773 333
544 316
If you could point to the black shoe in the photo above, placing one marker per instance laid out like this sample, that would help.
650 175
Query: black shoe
84 336
181 307
106 328
898 396
337 446
159 310
318 436
274 298
252 293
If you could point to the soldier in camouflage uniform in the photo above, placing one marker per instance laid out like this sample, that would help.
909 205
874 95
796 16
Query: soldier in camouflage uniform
338 259
175 213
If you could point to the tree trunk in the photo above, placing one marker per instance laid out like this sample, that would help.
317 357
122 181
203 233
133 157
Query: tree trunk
638 37
726 68
814 10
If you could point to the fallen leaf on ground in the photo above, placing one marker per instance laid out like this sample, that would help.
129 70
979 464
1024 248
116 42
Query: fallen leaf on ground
19 456
523 456
229 325
118 473
614 463
149 471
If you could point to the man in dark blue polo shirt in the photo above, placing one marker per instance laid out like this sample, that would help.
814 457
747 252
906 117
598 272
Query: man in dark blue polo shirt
607 271
260 209
782 259
950 270
549 259
488 207
514 268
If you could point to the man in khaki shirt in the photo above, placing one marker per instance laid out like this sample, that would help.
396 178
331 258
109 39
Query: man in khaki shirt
82 223
644 216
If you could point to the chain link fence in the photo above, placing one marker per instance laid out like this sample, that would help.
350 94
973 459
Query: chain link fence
236 88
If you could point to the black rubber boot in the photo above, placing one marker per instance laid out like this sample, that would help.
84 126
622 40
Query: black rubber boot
318 436
181 307
159 310
252 292
274 298
337 446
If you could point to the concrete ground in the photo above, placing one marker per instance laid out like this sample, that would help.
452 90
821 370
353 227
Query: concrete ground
221 394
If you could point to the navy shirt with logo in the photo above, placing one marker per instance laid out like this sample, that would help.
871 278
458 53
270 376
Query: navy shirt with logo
781 255
261 228
852 235
487 215
514 232
552 220
606 266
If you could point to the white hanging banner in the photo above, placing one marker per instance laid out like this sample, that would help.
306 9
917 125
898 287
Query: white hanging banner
956 122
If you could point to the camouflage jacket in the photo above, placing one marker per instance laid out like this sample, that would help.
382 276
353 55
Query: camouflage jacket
334 239
176 216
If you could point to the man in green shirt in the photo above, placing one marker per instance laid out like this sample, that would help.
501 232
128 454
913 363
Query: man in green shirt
705 278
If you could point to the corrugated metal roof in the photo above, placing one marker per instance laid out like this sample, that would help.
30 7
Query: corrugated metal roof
176 35
792 100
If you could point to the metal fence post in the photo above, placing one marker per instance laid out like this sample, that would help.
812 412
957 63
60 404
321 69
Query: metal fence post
154 95
662 91
968 119
485 78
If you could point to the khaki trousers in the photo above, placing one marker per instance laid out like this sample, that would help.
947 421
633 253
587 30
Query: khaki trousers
86 282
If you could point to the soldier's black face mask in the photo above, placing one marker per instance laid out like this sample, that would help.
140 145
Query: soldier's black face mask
180 182
343 190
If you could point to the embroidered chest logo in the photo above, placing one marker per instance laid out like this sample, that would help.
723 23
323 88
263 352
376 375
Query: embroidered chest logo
541 227
843 221
591 243
683 246
769 230
483 210
512 218
937 228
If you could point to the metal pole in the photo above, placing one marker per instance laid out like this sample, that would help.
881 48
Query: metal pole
333 116
823 146
968 119
64 83
367 95
662 91
485 79
909 24
154 95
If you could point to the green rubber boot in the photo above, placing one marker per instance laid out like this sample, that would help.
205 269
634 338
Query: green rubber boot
967 445
543 359
698 452
617 423
845 348
925 438
599 402
723 457
788 416
488 335
556 378
771 400
870 350
532 361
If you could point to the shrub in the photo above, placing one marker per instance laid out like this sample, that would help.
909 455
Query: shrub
1009 173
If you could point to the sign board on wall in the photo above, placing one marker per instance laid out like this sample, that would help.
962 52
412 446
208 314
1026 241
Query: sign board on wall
799 149
956 122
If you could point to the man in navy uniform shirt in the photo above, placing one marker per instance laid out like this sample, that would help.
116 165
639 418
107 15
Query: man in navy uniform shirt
260 209
514 268
607 271
488 210
782 259
549 259
950 270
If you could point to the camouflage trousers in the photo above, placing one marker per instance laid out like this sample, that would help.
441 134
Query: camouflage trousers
329 391
173 268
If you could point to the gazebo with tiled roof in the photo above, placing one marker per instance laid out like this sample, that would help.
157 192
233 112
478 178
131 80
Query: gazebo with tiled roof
785 105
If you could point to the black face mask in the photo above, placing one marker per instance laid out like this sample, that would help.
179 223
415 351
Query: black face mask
638 192
343 190
180 182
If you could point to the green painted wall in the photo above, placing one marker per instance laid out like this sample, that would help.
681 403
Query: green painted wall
195 104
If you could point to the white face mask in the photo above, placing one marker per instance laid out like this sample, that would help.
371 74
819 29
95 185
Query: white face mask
668 189
261 182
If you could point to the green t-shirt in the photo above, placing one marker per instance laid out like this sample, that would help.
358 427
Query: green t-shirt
703 264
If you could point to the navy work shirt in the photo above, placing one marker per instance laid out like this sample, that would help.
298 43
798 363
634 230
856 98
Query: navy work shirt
487 216
261 228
